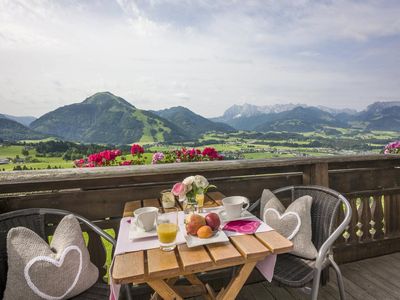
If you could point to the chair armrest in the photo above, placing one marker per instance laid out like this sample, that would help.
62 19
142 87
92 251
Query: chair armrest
97 229
254 205
92 226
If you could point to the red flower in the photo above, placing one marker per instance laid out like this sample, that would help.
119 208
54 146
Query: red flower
125 163
184 151
107 155
192 152
210 152
79 162
136 149
95 157
117 152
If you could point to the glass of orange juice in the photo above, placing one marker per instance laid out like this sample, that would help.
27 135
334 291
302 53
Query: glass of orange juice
167 229
200 202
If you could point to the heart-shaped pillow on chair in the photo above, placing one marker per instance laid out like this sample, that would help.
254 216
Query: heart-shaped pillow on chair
37 270
294 223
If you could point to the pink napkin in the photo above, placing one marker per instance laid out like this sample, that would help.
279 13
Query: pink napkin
242 226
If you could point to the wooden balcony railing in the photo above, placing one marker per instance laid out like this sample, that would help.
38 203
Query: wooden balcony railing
370 182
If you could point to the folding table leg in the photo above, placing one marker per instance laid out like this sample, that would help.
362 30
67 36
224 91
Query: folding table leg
164 290
235 285
194 280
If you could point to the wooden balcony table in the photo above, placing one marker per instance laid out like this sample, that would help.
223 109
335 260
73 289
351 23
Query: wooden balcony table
160 270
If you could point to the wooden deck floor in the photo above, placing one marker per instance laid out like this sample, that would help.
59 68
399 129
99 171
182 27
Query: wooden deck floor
376 278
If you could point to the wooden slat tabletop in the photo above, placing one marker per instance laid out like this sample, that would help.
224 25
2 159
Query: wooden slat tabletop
151 202
275 242
161 263
144 266
130 207
249 246
194 258
130 266
223 253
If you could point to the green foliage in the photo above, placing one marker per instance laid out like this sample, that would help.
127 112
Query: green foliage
25 152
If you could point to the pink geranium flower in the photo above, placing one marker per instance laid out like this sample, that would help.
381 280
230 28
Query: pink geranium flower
392 148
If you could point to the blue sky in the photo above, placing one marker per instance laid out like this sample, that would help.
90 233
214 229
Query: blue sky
205 55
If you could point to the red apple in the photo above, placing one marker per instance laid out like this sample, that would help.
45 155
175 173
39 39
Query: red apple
212 220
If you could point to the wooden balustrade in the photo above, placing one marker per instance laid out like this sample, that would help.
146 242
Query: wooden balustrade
374 229
370 182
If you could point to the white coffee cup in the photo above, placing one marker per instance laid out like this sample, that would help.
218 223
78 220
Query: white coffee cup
234 206
146 217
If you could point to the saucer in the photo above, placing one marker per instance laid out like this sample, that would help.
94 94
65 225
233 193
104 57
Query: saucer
136 232
244 215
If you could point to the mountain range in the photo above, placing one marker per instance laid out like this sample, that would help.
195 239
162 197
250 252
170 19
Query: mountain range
106 118
302 118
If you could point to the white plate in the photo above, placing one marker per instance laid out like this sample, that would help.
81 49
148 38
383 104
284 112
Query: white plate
138 233
244 215
194 241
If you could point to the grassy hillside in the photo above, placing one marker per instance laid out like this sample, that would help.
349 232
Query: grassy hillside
11 130
193 124
106 118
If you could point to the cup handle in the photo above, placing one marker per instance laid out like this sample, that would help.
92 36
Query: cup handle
247 205
137 221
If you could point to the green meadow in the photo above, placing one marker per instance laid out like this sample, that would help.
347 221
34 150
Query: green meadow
236 145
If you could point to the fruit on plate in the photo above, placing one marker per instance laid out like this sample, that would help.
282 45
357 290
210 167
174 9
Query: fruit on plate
212 220
204 232
193 223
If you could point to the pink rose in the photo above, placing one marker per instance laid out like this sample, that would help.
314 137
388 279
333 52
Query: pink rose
179 189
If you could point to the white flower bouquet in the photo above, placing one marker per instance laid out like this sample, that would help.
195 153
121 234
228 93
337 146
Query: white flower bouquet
190 187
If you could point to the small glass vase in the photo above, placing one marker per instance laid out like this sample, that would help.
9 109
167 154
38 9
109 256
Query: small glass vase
200 202
189 205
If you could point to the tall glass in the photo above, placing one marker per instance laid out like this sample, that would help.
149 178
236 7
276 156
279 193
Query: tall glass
167 229
200 202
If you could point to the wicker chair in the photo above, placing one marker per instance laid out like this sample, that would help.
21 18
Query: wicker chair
296 272
35 219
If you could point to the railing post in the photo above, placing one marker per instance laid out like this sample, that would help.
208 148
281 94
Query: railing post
316 174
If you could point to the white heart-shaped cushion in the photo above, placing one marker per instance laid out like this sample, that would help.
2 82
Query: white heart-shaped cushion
290 228
58 263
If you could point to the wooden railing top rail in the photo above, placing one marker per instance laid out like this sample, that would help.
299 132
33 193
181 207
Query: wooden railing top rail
165 169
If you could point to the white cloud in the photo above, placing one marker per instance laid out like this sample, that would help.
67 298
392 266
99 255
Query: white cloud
205 55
